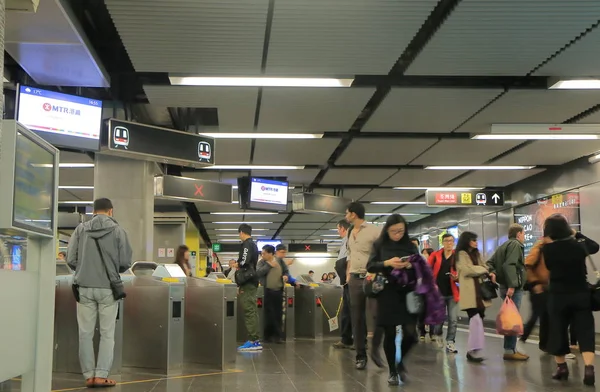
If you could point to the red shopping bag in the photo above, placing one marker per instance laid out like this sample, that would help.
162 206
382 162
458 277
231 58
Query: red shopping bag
509 321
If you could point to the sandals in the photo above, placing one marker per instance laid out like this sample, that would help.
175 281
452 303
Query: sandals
98 382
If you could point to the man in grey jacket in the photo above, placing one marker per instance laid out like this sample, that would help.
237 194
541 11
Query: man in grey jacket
96 297
507 268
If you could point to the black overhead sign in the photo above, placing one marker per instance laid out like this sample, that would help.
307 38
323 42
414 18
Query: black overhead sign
191 189
465 198
304 248
150 143
313 202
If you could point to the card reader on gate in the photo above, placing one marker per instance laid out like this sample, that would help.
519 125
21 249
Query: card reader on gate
219 277
169 273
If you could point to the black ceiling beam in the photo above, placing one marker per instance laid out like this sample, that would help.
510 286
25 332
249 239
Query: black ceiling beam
437 17
474 82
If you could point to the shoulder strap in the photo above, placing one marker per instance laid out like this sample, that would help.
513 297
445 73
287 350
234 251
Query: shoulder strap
589 257
103 259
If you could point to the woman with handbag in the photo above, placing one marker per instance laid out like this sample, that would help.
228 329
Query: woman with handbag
389 253
471 271
569 299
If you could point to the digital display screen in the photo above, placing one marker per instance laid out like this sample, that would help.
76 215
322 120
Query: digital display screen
16 256
532 216
34 186
61 119
261 243
268 194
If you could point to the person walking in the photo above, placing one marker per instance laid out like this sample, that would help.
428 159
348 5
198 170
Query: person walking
98 251
341 266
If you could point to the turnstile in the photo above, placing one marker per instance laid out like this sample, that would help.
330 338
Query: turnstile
331 302
308 313
289 313
153 325
66 332
210 321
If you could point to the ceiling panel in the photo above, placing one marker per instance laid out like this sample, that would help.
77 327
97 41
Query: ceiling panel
337 38
229 177
295 177
580 58
357 176
306 227
74 157
464 152
428 109
210 37
311 109
76 177
532 106
389 151
260 218
348 193
209 226
550 152
293 152
315 218
500 178
75 194
233 151
388 194
509 37
236 105
419 209
425 178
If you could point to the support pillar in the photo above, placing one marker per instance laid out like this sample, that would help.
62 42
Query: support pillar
129 184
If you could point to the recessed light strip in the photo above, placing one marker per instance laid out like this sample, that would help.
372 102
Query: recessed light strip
251 135
479 167
239 223
577 84
74 187
398 202
252 167
258 81
433 188
243 213
509 136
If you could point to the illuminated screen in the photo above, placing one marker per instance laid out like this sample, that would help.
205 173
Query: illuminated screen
268 194
261 243
61 119
532 216
16 256
34 186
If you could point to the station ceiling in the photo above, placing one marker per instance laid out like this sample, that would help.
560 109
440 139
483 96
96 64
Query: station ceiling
427 73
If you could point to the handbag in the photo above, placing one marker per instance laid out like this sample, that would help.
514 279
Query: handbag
414 303
245 275
488 289
374 285
116 286
594 288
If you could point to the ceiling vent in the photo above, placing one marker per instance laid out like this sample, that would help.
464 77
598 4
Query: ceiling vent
22 5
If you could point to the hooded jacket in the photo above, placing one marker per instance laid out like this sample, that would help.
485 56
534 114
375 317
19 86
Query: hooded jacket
83 256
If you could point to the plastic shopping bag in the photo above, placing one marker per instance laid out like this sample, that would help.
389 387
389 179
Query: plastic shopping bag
476 334
509 321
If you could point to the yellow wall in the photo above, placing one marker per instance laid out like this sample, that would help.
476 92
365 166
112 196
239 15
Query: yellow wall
192 241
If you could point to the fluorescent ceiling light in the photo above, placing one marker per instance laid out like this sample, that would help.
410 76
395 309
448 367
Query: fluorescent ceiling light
228 235
479 167
251 135
235 202
258 81
236 187
329 235
508 136
75 165
594 158
243 213
252 167
577 84
75 202
397 202
74 187
253 229
228 240
433 188
239 223
390 213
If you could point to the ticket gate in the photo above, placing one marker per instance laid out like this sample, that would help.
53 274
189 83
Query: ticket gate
289 313
308 313
210 321
331 306
66 332
153 325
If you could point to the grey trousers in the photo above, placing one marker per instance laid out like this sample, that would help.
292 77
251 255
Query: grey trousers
358 311
96 304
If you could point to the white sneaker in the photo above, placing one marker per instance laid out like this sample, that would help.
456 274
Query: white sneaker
450 348
570 356
521 348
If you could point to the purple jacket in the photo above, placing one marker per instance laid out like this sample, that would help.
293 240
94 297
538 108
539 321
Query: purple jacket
435 310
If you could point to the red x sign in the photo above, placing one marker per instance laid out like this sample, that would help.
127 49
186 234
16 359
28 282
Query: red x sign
307 247
199 190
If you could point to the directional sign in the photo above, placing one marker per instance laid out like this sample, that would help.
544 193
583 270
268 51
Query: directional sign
297 248
465 198
191 189
216 247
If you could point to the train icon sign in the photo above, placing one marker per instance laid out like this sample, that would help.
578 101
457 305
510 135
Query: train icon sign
481 199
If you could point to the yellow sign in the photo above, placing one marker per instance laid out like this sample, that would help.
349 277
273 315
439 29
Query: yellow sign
557 199
466 198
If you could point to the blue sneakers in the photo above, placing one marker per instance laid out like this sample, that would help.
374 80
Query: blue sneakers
251 346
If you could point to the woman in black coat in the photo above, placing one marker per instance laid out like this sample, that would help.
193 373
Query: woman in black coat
569 298
393 244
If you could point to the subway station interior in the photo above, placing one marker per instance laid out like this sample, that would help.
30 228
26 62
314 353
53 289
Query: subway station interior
197 116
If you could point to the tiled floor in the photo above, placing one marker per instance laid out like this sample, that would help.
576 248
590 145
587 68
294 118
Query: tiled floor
316 366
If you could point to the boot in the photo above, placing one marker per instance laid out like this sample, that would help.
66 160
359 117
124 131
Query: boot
562 372
589 377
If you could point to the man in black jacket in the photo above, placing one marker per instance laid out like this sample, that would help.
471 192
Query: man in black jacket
247 282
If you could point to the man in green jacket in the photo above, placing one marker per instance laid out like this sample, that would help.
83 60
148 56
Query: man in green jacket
507 268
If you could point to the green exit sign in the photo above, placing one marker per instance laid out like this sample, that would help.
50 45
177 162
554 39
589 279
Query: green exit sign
216 247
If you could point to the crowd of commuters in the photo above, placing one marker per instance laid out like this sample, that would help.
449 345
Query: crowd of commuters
385 279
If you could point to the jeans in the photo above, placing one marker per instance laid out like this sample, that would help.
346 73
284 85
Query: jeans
247 295
96 304
452 309
510 342
273 314
345 319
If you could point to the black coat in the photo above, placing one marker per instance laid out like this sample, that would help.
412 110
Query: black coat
391 301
